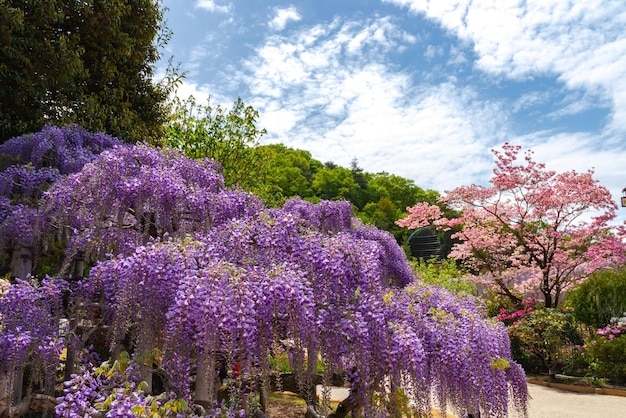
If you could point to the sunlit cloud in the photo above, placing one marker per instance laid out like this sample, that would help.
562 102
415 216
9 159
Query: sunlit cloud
328 89
282 17
582 43
211 6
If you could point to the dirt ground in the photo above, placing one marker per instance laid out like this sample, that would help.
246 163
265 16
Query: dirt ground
285 408
292 408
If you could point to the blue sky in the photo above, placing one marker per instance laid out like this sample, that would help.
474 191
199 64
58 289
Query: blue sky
419 88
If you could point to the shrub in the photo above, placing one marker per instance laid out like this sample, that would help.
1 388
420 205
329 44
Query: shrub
545 335
446 274
600 298
606 353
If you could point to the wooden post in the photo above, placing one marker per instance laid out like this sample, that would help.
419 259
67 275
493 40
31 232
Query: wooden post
205 379
4 396
22 262
18 382
71 349
144 354
311 373
21 268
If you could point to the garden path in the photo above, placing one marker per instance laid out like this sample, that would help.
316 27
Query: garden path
548 402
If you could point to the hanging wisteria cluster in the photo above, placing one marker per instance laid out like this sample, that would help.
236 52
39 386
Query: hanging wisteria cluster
149 194
204 285
30 315
30 164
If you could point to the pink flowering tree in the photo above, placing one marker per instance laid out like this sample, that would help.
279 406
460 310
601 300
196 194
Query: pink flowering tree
532 229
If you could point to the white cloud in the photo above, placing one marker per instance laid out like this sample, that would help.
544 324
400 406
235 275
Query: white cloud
581 42
457 56
212 7
279 121
328 89
432 52
202 94
284 16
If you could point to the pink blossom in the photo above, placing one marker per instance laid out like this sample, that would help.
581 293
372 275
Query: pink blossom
555 225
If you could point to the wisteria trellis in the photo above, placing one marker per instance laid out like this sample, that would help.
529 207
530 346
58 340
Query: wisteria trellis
201 278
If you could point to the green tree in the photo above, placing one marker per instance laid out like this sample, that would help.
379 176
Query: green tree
361 195
386 191
600 298
606 353
382 214
289 172
543 333
402 191
334 184
227 136
445 273
88 62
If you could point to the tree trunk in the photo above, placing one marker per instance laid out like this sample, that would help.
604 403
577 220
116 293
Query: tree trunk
4 396
18 383
547 297
546 290
72 349
21 262
205 379
34 403
310 386
11 393
144 355
345 407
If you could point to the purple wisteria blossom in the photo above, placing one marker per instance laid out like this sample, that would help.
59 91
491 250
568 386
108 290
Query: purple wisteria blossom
29 165
201 283
66 148
30 315
229 296
149 194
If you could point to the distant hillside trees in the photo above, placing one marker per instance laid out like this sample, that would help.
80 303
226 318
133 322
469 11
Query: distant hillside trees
377 198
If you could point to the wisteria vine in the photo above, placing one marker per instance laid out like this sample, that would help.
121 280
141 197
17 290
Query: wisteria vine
200 283
30 164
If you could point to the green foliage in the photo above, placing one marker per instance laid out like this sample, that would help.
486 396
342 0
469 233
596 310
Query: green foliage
498 303
544 334
379 199
446 274
401 191
607 357
85 62
227 136
152 407
600 298
289 173
576 363
280 363
381 214
360 196
335 184
388 196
